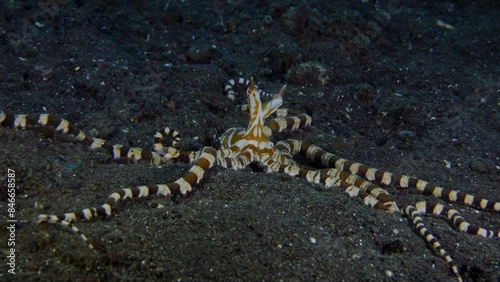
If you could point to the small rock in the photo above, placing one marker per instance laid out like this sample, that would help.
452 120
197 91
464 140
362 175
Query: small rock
308 74
478 166
201 54
406 134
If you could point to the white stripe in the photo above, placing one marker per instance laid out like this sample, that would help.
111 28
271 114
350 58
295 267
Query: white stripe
43 119
483 203
296 146
468 199
281 123
134 153
421 206
20 121
107 208
404 181
69 217
184 185
463 226
483 232
163 190
292 170
370 174
386 178
453 213
311 151
128 193
54 219
453 196
437 192
332 181
3 116
310 176
296 122
370 201
198 171
340 163
116 151
429 237
80 136
438 209
421 185
86 213
354 168
115 196
143 191
96 143
352 191
63 126
325 158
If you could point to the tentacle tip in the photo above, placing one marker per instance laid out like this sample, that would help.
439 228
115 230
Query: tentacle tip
392 207
251 85
282 91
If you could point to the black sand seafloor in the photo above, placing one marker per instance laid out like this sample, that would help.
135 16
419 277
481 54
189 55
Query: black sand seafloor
410 87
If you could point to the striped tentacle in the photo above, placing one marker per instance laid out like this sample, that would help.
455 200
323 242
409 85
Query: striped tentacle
44 120
160 135
236 161
415 216
289 122
181 186
273 161
283 112
376 191
455 219
286 118
285 149
231 94
294 147
174 154
327 179
63 126
315 153
170 152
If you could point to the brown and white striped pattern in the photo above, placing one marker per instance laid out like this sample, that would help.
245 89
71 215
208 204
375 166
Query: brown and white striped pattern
254 141
231 94
289 122
414 215
327 159
240 147
352 172
332 177
171 133
414 212
181 186
287 119
455 219
62 126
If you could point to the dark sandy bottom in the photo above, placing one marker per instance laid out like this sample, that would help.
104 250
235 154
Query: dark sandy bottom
385 85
